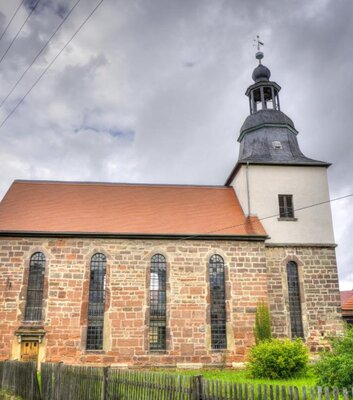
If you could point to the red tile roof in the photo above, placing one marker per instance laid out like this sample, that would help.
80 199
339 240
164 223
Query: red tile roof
345 295
106 208
347 302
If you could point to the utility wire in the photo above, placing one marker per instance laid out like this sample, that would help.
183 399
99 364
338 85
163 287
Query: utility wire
20 30
7 26
50 64
40 52
268 217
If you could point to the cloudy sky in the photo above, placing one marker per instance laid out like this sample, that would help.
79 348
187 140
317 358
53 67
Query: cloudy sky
153 91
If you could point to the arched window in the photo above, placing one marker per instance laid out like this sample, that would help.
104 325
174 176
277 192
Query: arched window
35 288
96 302
218 304
158 318
295 309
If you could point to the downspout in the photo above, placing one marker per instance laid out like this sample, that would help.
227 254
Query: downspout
247 187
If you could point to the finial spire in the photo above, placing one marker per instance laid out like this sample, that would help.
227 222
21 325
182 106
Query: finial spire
259 54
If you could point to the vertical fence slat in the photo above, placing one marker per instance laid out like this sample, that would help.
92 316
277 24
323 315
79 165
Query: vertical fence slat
319 393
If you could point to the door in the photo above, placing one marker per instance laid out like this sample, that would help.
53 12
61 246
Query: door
29 351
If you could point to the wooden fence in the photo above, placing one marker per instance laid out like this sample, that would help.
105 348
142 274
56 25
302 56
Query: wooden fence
67 382
20 378
63 382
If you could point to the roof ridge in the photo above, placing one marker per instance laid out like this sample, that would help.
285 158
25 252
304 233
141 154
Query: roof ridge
95 183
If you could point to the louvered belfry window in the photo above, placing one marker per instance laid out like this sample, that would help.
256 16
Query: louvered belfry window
35 288
218 305
96 302
158 315
295 309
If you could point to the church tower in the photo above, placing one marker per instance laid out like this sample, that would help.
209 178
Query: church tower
288 192
273 178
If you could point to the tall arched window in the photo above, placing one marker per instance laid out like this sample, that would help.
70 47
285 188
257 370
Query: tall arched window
96 302
158 317
218 304
295 309
35 288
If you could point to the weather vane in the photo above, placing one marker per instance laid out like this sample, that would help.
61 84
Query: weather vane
258 43
259 55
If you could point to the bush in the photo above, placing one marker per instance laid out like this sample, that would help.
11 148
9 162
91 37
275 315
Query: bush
262 330
335 367
278 359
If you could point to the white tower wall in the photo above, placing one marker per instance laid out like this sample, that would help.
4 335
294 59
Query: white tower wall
308 186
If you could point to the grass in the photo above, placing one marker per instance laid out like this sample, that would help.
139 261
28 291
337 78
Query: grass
242 376
5 395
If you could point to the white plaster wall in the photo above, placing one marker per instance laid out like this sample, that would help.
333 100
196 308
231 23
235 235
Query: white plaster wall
308 185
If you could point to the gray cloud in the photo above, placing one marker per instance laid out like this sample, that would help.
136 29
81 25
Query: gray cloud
153 91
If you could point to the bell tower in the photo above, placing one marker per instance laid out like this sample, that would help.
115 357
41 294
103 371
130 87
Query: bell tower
272 177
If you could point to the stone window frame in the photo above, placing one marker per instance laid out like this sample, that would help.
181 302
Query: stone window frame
228 299
85 301
300 266
24 287
168 344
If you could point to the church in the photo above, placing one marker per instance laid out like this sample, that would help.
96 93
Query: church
137 275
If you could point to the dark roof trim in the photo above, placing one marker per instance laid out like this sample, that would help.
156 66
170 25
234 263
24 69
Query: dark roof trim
107 235
240 163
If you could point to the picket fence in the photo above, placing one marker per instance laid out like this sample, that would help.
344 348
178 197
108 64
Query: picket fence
67 382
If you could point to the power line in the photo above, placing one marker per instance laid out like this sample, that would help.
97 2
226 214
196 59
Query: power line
7 26
268 217
40 52
50 64
20 30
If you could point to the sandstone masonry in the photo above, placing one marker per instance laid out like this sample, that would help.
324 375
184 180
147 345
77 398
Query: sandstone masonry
253 272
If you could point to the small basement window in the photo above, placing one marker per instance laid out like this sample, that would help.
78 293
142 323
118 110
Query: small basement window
277 145
286 209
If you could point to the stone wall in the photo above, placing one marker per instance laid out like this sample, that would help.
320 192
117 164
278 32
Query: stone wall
252 272
126 316
319 291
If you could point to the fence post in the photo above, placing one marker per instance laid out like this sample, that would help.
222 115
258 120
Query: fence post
58 381
196 387
105 391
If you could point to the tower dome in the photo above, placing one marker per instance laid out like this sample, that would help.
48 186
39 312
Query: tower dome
261 73
268 136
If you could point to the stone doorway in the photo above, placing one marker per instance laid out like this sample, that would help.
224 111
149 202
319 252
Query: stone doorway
29 350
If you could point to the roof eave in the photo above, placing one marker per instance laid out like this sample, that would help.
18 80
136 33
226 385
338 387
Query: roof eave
114 235
240 163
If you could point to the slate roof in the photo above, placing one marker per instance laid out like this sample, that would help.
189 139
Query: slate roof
42 207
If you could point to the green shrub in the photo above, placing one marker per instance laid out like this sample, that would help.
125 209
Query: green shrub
262 330
278 359
335 367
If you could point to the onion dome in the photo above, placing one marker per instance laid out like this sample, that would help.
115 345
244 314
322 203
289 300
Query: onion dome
261 73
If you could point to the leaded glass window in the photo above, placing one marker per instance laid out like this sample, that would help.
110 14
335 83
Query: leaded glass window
96 302
218 304
295 310
158 317
35 288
